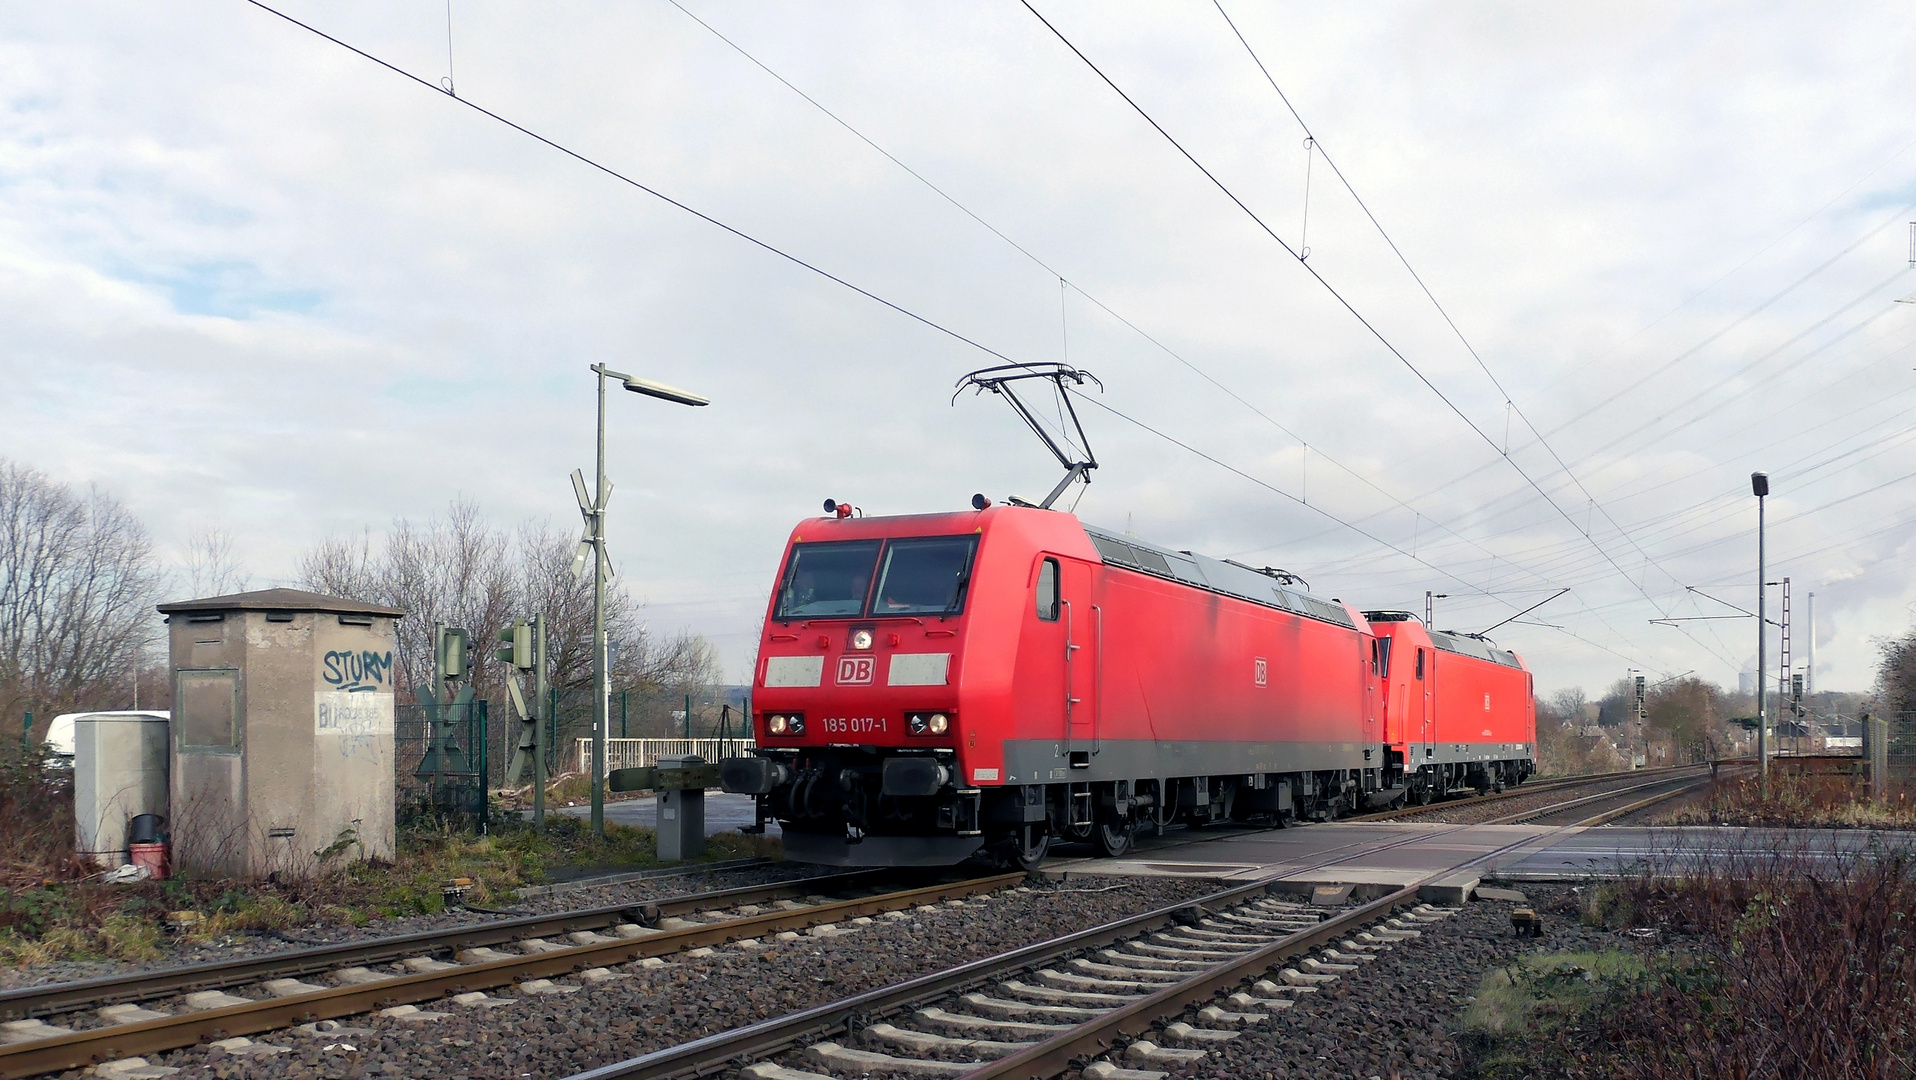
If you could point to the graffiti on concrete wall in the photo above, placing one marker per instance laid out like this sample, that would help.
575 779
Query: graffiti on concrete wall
357 670
362 723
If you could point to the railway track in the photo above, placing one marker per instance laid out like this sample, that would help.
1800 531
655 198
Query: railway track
1239 955
64 1026
71 1025
1631 780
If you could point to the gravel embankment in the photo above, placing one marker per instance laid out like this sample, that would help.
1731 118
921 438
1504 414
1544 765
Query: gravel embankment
648 1008
1395 1017
256 943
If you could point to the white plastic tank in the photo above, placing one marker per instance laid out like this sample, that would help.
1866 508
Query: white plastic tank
119 772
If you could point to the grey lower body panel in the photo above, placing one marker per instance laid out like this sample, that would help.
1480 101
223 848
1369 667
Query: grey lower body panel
1467 753
1049 761
833 850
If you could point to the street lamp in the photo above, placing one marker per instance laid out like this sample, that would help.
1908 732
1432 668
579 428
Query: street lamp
595 517
1760 486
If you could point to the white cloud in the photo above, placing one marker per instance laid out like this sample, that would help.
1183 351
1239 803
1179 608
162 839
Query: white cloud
249 277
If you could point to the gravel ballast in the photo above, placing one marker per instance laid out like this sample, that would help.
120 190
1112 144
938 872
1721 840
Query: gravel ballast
1395 1018
574 897
646 1007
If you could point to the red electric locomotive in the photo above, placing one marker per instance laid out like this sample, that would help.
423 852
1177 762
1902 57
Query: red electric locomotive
934 687
1459 712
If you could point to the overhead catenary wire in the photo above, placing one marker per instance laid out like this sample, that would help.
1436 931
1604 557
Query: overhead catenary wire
1219 462
1312 142
676 203
1306 445
1716 335
654 192
771 248
1341 300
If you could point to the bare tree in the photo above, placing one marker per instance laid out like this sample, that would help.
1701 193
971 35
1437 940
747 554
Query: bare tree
210 565
1569 704
1896 673
459 569
78 581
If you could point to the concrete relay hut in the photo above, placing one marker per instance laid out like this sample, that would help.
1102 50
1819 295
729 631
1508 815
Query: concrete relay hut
282 733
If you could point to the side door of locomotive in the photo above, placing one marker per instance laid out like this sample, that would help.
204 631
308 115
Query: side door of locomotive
1083 624
1430 702
1421 732
1058 658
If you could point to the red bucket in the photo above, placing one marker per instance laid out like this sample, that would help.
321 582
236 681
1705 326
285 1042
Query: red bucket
151 856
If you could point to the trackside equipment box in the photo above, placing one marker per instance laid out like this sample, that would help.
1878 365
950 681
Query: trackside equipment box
282 733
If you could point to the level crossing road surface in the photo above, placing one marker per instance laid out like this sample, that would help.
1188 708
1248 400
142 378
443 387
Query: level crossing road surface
723 813
1382 853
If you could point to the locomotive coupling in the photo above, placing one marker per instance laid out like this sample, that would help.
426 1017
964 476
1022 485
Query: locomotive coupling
914 776
752 775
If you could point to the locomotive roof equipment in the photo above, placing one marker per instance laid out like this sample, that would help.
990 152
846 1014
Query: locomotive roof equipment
998 380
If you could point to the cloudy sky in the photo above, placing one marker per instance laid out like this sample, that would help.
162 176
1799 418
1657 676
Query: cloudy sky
252 279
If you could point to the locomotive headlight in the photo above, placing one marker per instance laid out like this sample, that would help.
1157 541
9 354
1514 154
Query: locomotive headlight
861 639
776 724
928 723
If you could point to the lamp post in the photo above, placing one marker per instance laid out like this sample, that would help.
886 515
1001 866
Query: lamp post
601 675
1760 485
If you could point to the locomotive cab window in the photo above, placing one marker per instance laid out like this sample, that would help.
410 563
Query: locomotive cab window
1048 590
1383 657
925 576
827 579
1420 663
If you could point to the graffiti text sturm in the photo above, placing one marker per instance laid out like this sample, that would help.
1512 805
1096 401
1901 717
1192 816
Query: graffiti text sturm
364 670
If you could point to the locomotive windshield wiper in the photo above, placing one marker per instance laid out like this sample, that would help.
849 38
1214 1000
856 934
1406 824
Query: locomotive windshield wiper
957 596
998 380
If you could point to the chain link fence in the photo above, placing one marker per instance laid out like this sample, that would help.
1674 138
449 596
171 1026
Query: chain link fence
443 760
450 760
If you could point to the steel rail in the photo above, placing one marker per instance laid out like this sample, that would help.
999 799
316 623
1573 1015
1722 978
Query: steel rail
727 1049
1100 1035
1523 816
83 1048
1608 816
763 1038
1537 787
71 996
722 1049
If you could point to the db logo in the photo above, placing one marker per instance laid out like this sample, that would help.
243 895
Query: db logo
854 670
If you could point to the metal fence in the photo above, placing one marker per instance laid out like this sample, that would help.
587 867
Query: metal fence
448 762
637 753
442 762
1898 754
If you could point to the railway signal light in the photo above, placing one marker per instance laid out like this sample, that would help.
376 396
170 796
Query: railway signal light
517 639
452 653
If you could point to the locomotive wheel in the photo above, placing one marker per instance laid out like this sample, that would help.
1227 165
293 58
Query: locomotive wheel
1026 848
1112 840
1420 793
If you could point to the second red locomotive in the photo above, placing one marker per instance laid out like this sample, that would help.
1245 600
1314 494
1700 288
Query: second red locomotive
934 687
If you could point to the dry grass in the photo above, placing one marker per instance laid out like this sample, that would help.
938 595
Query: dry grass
1794 802
52 906
1776 963
36 805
